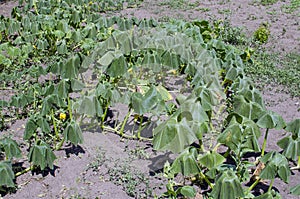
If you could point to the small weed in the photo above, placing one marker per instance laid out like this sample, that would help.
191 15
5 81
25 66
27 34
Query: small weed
97 162
294 5
134 182
179 4
267 2
271 68
262 34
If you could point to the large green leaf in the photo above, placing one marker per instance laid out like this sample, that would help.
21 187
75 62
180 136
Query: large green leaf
295 190
11 148
7 174
90 106
118 67
188 191
41 155
186 162
192 110
290 146
173 135
63 88
143 104
294 127
276 164
241 135
30 128
50 102
211 159
73 133
271 120
227 186
248 109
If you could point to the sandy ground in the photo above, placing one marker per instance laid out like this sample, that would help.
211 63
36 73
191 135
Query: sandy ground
96 168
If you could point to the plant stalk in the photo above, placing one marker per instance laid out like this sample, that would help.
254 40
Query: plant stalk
271 185
70 108
24 171
264 143
140 128
254 184
124 122
206 180
298 165
54 125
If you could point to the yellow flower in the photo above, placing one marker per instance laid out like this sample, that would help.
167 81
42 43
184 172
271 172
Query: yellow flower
62 116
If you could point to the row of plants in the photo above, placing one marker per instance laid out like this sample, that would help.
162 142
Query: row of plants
68 66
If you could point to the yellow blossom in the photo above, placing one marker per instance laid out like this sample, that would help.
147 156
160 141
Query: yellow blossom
62 116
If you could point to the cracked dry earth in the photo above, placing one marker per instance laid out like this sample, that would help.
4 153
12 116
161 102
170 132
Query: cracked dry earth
94 169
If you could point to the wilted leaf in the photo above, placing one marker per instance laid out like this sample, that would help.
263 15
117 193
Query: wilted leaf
295 190
290 146
188 191
73 133
173 135
186 162
227 186
7 174
275 164
211 159
11 148
271 120
41 155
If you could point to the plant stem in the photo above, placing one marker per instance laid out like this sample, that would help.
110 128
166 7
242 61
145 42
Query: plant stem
254 184
217 146
264 143
24 171
70 108
54 125
124 122
206 180
125 135
140 128
104 115
298 165
59 145
271 184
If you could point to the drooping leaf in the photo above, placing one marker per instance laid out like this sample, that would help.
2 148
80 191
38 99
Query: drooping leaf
41 155
76 85
276 164
165 94
90 106
173 135
227 186
63 88
143 104
7 174
290 146
192 110
11 148
188 191
211 159
295 190
248 109
118 67
241 135
271 120
186 162
294 127
73 133
30 128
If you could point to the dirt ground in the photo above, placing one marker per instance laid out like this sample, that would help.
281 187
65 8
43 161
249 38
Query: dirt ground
106 166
